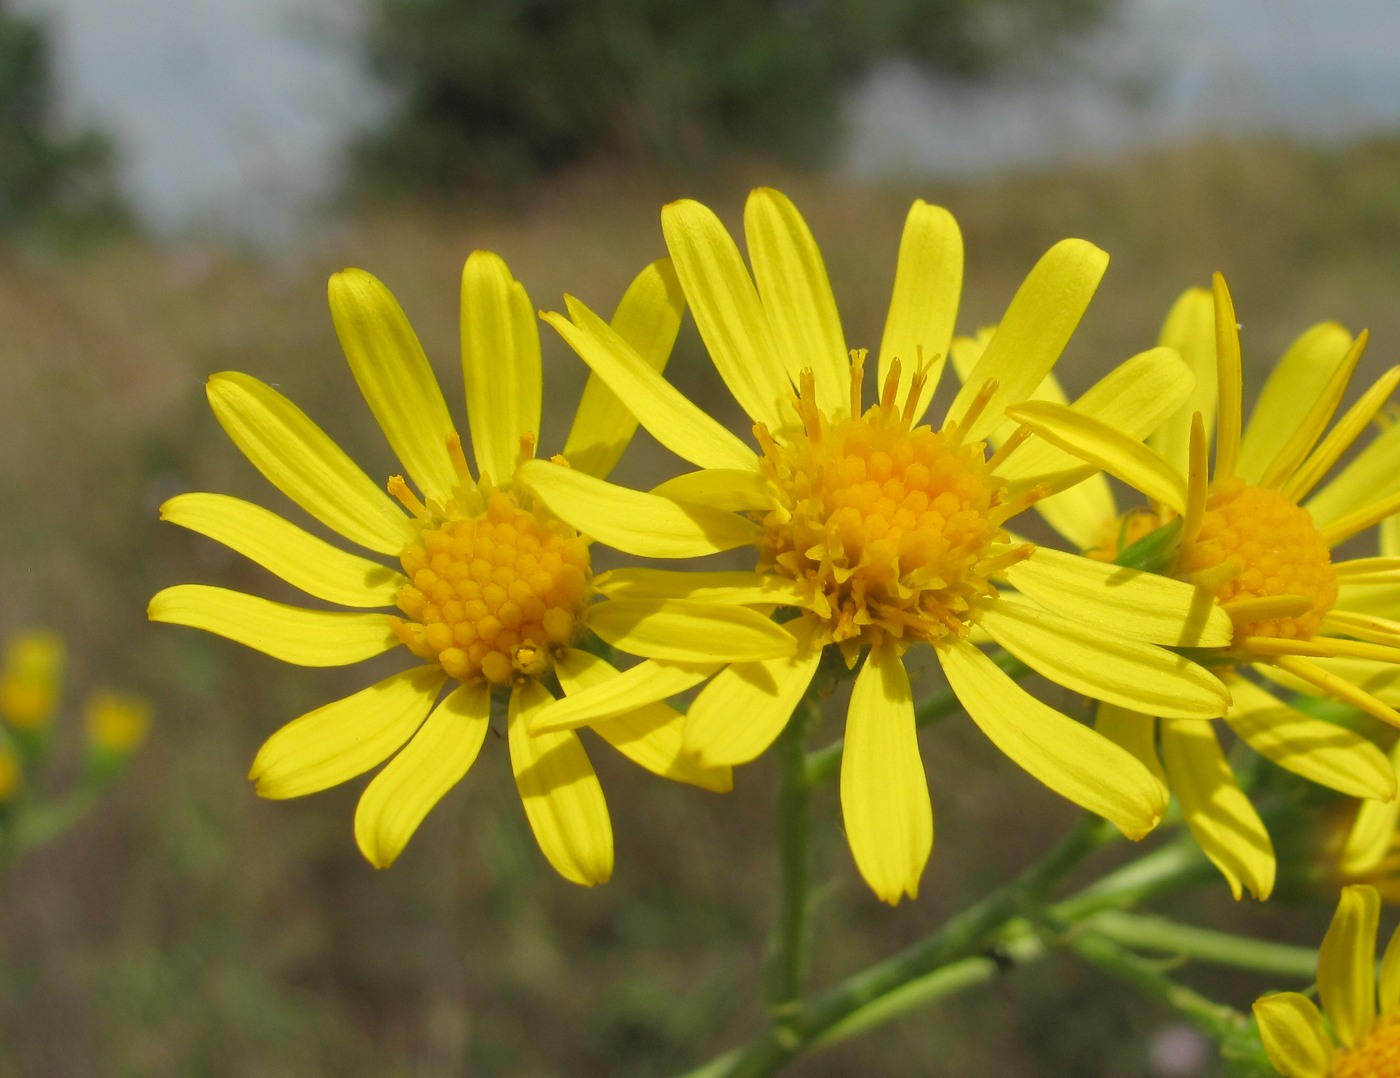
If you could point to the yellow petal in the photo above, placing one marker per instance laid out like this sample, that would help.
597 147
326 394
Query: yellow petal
1389 988
1320 751
1299 378
1034 331
393 374
734 490
1295 1040
345 738
299 459
289 633
400 796
728 312
1080 513
630 520
747 705
1099 661
682 427
562 797
1229 381
297 556
796 294
651 735
500 364
1065 755
1141 605
1346 964
1189 330
1136 733
681 630
924 303
885 802
1368 841
1370 477
1105 447
1216 810
735 587
634 688
648 318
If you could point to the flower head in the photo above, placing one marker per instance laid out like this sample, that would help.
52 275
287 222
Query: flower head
1256 532
488 588
883 533
30 675
1356 1034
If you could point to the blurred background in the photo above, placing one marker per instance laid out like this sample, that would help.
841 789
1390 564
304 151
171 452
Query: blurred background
178 180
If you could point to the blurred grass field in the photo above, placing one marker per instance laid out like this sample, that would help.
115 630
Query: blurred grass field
188 928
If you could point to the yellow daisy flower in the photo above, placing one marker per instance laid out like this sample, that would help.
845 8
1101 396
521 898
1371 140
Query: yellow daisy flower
1257 534
1359 1037
881 531
491 590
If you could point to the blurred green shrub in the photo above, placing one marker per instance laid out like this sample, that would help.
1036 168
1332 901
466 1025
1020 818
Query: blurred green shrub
50 178
491 93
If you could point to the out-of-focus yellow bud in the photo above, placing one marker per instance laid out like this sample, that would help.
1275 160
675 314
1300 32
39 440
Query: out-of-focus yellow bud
11 771
29 679
115 723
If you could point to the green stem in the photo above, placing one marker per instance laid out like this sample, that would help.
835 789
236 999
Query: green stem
789 959
1139 931
825 761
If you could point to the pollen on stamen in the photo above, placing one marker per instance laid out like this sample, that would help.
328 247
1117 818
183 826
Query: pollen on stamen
894 532
1377 1056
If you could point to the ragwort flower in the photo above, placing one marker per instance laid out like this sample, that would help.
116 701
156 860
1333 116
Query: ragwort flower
1257 533
882 532
1356 1033
491 590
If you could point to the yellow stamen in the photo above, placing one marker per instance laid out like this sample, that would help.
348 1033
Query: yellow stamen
458 457
1377 1056
410 501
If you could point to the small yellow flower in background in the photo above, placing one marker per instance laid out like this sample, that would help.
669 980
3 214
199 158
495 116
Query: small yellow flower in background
11 770
1356 1034
30 677
115 722
1256 532
881 531
490 590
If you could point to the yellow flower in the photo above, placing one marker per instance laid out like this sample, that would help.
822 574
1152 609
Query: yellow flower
1363 1016
1256 536
115 723
491 589
882 532
29 679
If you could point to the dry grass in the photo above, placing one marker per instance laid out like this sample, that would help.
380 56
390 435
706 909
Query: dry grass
190 929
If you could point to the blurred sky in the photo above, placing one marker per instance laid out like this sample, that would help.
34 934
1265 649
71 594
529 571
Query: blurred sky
228 113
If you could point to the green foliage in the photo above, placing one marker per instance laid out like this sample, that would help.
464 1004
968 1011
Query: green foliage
49 177
494 92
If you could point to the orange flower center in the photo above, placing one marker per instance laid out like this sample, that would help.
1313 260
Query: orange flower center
890 529
1255 544
1377 1056
493 595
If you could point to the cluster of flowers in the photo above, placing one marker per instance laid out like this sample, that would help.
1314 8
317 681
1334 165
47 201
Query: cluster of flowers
870 531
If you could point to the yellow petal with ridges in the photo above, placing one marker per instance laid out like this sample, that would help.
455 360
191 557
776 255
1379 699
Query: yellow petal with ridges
636 687
1300 378
1229 382
290 633
299 459
647 318
347 737
736 587
652 735
1099 661
1105 447
885 803
1065 755
562 796
1078 513
796 293
1295 1040
924 303
1308 427
1224 823
730 489
1370 477
1141 605
1189 330
631 520
1037 325
1320 751
1388 990
500 364
298 557
441 752
680 630
1368 841
1136 733
1346 964
747 705
394 376
682 427
728 312
1340 438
